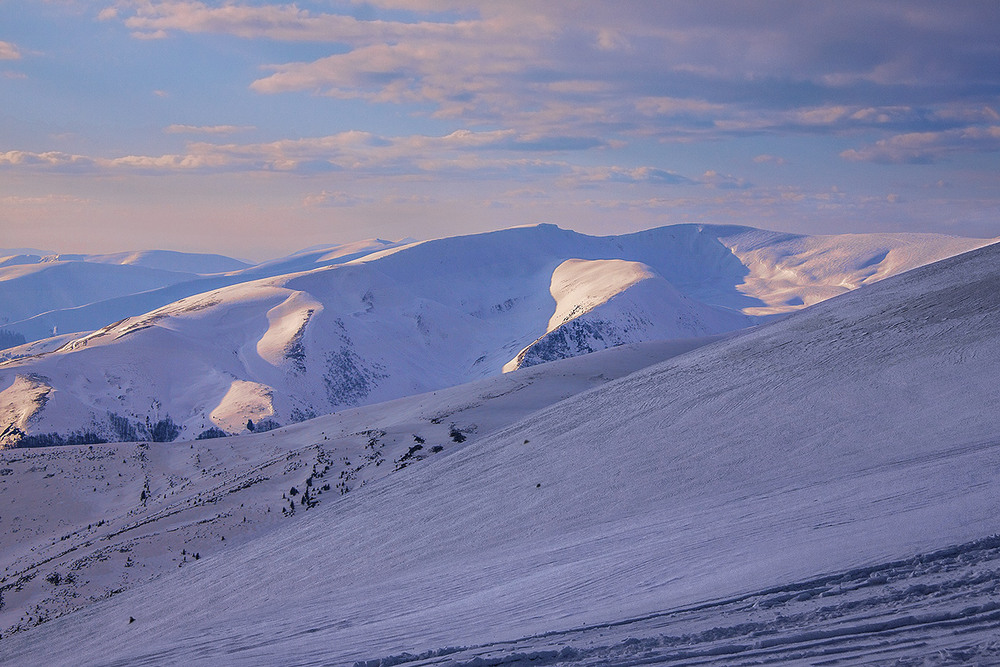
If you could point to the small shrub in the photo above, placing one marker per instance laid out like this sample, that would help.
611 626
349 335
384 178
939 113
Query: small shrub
265 425
213 432
10 339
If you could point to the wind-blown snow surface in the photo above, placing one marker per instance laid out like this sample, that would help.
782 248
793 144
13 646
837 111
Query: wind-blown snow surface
691 510
418 317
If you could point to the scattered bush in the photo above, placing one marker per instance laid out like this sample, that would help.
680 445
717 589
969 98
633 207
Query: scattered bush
164 430
266 425
11 339
122 428
213 432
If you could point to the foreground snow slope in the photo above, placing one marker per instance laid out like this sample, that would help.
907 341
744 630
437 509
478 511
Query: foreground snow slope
414 318
860 431
80 523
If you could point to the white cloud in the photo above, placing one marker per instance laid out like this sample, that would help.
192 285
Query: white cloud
45 200
9 51
605 71
926 147
459 155
336 199
52 160
723 181
207 129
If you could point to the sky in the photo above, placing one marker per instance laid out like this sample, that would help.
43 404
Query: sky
254 129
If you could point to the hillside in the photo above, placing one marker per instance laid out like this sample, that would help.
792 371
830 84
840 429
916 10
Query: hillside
98 519
370 325
766 497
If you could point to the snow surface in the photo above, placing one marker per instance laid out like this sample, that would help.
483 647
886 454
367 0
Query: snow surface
821 486
105 517
337 327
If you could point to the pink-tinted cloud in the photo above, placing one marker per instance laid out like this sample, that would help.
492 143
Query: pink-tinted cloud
9 51
767 158
207 129
463 152
336 199
45 200
49 160
286 22
714 179
925 147
625 71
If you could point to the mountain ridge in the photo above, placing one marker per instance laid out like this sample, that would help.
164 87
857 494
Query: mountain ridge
373 323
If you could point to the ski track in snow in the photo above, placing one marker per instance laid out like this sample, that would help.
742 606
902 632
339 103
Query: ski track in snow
942 608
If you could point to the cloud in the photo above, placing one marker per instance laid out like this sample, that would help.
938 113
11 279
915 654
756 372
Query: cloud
335 199
16 200
581 176
207 129
9 51
284 22
460 153
671 71
927 147
48 161
723 181
769 159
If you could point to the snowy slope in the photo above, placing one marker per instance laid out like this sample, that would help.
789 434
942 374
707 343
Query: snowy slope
764 495
374 326
604 303
28 289
119 296
100 518
165 260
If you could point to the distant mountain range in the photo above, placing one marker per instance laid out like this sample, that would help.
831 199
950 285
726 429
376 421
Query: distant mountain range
159 353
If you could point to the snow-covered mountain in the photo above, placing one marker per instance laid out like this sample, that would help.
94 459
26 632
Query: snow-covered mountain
164 260
27 289
418 317
822 487
39 301
32 284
